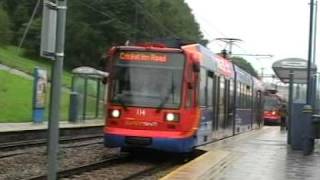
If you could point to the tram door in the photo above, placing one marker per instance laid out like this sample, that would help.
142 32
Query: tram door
216 88
259 109
221 107
229 106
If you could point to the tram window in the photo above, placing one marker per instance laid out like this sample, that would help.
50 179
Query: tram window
210 88
231 92
244 96
241 96
214 86
222 97
217 94
203 87
254 99
248 96
227 96
238 94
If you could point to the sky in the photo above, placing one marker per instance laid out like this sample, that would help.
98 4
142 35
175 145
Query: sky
273 27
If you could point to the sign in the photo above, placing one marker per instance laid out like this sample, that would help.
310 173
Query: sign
293 64
41 88
48 30
297 66
39 94
86 70
224 66
152 57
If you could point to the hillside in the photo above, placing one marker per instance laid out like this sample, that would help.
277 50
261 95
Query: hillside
12 57
16 91
16 99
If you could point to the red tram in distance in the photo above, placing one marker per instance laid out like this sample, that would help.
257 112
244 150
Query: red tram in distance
174 99
272 107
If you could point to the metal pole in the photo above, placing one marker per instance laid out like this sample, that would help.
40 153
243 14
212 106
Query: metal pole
310 53
290 106
98 97
314 76
84 112
315 32
57 71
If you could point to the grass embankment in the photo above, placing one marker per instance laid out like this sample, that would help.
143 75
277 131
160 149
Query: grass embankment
13 58
16 99
16 91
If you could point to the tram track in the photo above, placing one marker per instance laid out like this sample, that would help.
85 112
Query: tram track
86 168
151 171
120 164
63 146
39 142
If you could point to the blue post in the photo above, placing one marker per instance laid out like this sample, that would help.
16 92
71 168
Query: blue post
39 95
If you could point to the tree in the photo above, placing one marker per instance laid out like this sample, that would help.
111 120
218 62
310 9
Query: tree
245 65
94 26
5 33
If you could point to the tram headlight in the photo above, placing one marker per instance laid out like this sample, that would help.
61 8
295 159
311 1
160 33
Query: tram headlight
273 113
172 117
115 113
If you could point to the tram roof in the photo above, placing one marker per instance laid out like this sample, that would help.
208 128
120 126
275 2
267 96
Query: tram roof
212 61
243 76
148 48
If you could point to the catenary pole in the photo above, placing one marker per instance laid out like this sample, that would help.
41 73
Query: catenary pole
57 70
310 53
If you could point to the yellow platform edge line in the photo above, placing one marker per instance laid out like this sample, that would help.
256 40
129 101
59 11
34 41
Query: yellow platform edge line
198 167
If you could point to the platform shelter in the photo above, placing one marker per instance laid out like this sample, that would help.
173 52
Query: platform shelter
87 96
300 126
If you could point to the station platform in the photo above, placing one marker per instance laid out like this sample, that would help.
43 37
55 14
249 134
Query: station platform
257 155
13 127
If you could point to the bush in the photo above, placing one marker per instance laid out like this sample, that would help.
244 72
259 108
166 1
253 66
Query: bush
5 32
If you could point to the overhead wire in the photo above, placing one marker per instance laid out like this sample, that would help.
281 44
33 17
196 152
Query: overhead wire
94 9
146 12
103 13
154 19
35 9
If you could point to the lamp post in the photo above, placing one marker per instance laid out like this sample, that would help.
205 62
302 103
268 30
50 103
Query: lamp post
310 52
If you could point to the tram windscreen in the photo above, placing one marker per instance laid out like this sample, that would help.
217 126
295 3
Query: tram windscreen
147 79
271 102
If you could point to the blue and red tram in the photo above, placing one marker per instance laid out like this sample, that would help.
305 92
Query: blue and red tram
174 99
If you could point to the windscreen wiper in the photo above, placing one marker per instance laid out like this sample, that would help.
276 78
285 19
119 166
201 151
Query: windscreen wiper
166 98
120 100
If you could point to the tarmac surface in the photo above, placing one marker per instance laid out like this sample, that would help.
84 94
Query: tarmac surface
257 155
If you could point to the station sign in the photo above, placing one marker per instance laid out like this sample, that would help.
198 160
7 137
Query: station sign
294 63
48 30
89 71
296 66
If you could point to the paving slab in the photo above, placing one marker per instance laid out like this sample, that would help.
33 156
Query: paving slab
257 155
265 155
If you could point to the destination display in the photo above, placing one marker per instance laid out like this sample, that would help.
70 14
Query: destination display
139 56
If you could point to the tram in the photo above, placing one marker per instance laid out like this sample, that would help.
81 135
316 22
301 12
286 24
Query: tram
175 99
